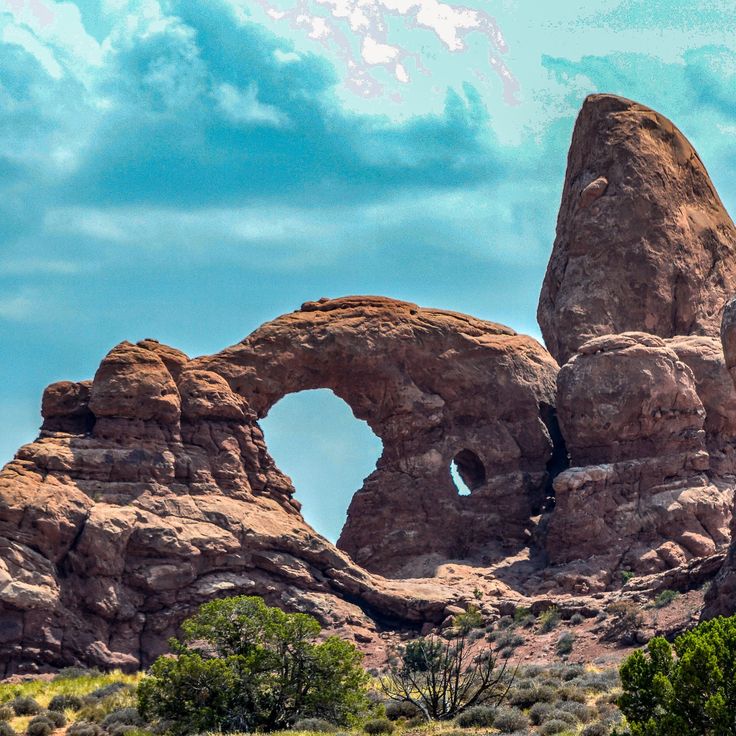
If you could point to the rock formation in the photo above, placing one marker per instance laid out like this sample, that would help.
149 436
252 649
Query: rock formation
643 242
434 386
145 496
638 495
150 488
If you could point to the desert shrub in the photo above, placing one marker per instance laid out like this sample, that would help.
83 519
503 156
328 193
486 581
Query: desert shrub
262 669
549 619
126 716
570 692
526 697
84 728
508 640
6 713
479 716
665 598
596 729
554 726
582 713
56 717
471 619
106 691
625 619
564 643
521 613
317 725
505 622
576 619
691 691
626 575
39 726
443 678
378 726
25 705
65 702
539 712
598 681
396 710
510 719
6 729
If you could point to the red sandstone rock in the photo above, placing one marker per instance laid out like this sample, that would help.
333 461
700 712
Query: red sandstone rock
643 242
433 385
638 495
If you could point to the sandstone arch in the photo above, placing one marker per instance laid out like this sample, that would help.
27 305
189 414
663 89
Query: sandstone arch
430 384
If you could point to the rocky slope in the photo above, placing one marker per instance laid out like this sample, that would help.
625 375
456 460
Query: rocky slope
150 488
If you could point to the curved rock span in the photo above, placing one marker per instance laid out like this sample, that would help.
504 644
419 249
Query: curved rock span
150 488
434 386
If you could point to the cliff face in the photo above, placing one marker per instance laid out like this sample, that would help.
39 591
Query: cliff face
150 488
643 242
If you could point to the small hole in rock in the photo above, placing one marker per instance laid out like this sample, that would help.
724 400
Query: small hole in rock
467 471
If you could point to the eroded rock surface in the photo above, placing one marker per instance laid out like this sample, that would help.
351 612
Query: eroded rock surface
147 493
433 386
643 242
640 494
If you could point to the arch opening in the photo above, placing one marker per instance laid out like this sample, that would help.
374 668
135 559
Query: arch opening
316 440
467 471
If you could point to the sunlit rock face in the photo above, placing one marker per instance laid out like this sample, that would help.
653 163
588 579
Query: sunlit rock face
639 494
643 242
148 492
434 386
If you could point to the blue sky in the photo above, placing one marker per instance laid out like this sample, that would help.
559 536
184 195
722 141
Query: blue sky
187 170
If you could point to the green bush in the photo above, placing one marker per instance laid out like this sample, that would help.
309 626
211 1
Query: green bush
268 671
378 726
56 717
564 643
526 697
596 729
479 716
549 619
25 705
6 729
124 716
84 728
510 719
665 598
576 619
539 712
6 713
65 702
39 726
471 619
688 692
396 710
554 726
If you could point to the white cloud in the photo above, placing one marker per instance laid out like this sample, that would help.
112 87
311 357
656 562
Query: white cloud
375 52
43 54
243 106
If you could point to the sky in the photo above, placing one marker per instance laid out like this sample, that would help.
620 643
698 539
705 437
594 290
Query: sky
187 170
